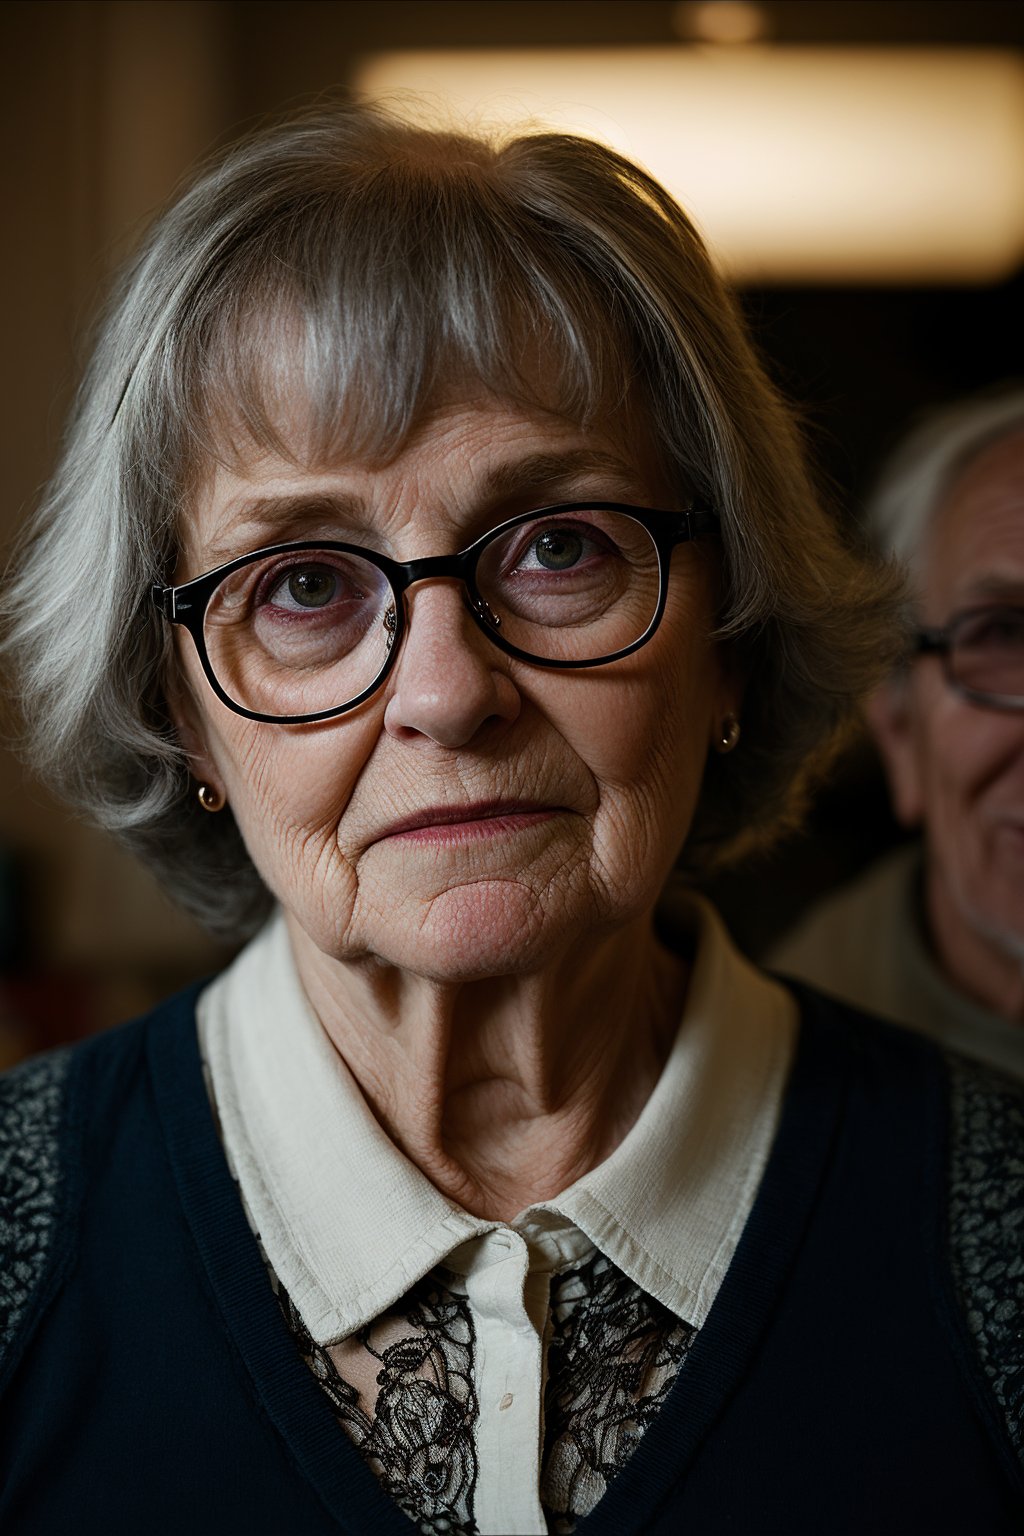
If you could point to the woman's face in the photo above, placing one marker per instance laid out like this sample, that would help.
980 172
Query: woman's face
479 814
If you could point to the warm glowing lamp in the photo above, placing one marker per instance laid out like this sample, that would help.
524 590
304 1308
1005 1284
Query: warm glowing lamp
799 164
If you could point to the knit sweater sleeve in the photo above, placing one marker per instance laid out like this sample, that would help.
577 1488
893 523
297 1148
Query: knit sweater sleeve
32 1179
986 1228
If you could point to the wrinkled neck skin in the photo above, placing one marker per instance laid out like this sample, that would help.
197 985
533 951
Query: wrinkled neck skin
505 1091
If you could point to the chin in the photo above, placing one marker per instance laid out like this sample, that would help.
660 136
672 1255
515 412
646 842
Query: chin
485 929
994 911
998 930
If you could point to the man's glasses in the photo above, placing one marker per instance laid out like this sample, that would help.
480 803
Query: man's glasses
301 632
982 653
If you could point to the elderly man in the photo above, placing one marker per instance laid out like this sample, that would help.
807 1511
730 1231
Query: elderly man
933 935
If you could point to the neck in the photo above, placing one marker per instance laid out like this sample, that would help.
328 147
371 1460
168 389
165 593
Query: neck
506 1090
986 968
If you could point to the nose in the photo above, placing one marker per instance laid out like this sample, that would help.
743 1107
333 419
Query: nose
449 681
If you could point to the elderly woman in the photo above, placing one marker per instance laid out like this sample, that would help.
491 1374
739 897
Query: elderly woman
429 563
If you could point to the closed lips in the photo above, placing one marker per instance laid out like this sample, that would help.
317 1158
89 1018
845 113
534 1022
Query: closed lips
461 815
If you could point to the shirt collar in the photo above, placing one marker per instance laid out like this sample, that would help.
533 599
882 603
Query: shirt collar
349 1224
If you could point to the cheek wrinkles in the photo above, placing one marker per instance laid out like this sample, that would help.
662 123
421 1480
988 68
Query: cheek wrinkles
971 751
333 899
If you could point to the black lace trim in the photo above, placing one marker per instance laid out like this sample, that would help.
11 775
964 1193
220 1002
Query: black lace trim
613 1355
31 1107
986 1219
419 1438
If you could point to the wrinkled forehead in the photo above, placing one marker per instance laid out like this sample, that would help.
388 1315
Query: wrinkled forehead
470 459
975 551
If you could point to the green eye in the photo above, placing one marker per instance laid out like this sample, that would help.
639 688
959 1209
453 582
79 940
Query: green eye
557 549
313 587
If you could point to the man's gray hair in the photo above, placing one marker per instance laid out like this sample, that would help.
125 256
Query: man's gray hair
916 480
366 262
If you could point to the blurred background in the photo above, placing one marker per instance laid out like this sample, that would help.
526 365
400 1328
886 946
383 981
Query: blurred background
858 169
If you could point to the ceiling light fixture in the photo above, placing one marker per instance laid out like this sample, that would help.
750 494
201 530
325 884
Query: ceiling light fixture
799 164
720 21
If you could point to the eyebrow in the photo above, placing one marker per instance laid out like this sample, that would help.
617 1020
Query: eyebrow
268 518
548 471
993 587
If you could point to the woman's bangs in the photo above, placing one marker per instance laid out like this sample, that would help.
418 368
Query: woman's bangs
343 364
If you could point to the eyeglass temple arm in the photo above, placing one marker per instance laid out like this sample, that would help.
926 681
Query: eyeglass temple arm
171 604
700 518
931 642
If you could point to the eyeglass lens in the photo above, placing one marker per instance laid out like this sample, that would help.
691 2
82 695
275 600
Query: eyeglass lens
306 631
986 653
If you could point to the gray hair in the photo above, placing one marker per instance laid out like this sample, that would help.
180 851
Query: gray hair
919 475
366 259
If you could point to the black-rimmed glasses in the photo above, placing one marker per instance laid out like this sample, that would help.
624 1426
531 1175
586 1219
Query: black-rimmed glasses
982 653
304 631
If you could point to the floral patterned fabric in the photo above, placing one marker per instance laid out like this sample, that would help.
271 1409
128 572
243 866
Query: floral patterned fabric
402 1390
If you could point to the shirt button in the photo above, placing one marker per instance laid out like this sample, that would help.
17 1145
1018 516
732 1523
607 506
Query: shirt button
507 1401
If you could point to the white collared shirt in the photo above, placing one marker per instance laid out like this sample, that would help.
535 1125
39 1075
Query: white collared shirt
349 1225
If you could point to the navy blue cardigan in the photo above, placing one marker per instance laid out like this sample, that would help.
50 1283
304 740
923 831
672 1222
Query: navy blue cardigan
862 1369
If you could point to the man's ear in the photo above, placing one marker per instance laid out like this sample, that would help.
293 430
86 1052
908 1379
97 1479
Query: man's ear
890 715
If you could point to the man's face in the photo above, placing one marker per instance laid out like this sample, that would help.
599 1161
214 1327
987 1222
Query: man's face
957 767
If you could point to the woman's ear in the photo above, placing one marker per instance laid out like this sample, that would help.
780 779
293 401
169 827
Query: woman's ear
890 716
188 725
727 715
